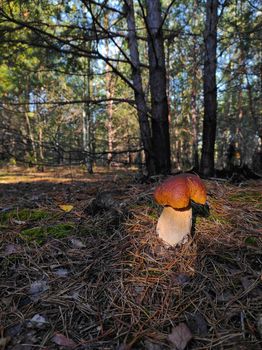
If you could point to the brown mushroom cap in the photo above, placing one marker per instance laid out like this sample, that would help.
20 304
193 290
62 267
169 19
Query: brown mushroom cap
177 191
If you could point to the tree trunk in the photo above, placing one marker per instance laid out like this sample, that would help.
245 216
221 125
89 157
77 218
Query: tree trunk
194 112
109 124
87 121
40 149
194 117
210 90
30 138
40 145
30 135
255 118
139 92
193 105
158 86
109 106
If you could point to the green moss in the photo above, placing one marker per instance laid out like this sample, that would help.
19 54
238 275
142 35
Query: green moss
258 205
246 197
254 198
40 234
213 217
153 214
3 227
91 230
24 215
251 241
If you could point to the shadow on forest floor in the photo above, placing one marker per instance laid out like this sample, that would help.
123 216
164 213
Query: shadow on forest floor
100 279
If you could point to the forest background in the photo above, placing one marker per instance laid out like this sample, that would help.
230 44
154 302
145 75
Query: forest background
159 84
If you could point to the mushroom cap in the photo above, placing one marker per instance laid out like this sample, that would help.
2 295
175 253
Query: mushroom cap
177 191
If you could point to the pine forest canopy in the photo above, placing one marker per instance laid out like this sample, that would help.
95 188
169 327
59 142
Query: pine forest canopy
169 84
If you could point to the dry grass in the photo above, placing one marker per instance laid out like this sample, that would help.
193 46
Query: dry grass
124 289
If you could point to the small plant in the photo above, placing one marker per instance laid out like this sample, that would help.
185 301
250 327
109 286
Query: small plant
12 161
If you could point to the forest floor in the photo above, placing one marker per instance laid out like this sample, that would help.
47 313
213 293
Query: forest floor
81 266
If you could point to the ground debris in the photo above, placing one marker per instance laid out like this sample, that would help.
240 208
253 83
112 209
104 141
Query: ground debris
109 281
180 336
37 321
77 243
62 340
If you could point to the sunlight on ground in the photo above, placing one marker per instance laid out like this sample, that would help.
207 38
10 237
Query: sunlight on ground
15 174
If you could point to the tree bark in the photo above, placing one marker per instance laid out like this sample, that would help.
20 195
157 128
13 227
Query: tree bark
194 111
40 141
109 106
31 140
87 121
210 90
139 92
193 104
158 87
194 118
109 124
30 135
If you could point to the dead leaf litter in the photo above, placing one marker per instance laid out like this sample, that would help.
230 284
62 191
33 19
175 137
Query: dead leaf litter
107 282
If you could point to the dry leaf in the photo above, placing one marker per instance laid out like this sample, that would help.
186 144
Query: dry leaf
7 301
152 346
76 243
180 279
61 272
38 321
197 324
225 296
14 330
62 340
180 336
12 249
246 282
66 207
38 287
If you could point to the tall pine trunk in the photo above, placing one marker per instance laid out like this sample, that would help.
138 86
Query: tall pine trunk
140 100
109 123
193 102
194 120
30 135
210 89
109 95
158 86
194 111
30 139
87 119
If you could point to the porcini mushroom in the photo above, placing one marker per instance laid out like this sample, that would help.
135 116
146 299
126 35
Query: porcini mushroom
175 193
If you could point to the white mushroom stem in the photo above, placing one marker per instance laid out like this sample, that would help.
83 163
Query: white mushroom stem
174 226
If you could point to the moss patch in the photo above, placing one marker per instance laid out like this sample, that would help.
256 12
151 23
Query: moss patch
40 234
215 217
251 241
24 215
247 197
153 214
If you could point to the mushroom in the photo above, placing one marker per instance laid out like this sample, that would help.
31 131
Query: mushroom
175 193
